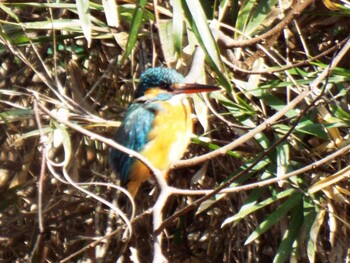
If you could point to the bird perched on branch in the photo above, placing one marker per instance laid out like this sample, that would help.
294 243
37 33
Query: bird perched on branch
157 125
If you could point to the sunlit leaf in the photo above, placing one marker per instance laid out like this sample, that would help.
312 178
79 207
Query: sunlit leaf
111 12
330 180
178 25
205 38
135 27
290 235
260 13
252 207
85 19
272 219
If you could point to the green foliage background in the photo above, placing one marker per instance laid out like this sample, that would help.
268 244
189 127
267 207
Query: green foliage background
81 60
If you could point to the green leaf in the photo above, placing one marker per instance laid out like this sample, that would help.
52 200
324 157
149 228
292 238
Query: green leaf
178 25
305 127
250 202
206 204
283 158
276 103
85 19
213 146
35 133
252 207
272 219
339 112
259 15
315 129
290 235
16 115
196 16
309 214
9 12
237 110
261 138
134 30
243 16
223 6
278 84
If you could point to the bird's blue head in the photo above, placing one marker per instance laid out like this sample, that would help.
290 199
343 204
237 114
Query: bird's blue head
163 78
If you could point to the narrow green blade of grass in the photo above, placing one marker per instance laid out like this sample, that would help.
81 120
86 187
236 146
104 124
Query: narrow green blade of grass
252 207
15 115
127 11
259 15
258 167
213 146
195 13
290 235
178 25
34 133
9 12
134 29
244 15
272 219
335 71
61 24
310 215
340 113
276 103
278 84
282 157
250 202
223 8
85 19
69 6
316 129
261 138
237 110
331 5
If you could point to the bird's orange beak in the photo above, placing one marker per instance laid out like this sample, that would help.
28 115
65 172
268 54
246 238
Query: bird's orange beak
189 88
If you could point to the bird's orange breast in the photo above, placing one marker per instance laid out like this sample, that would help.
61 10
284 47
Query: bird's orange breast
168 139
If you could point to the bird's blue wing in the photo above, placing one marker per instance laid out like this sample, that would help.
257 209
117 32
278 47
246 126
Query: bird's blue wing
132 134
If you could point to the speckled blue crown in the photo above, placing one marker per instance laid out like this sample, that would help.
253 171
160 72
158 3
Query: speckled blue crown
154 77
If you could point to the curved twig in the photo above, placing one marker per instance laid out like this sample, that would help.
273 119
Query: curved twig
295 10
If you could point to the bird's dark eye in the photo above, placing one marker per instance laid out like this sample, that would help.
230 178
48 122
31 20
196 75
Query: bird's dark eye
164 85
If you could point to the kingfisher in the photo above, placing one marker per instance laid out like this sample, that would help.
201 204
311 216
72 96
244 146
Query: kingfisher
157 124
